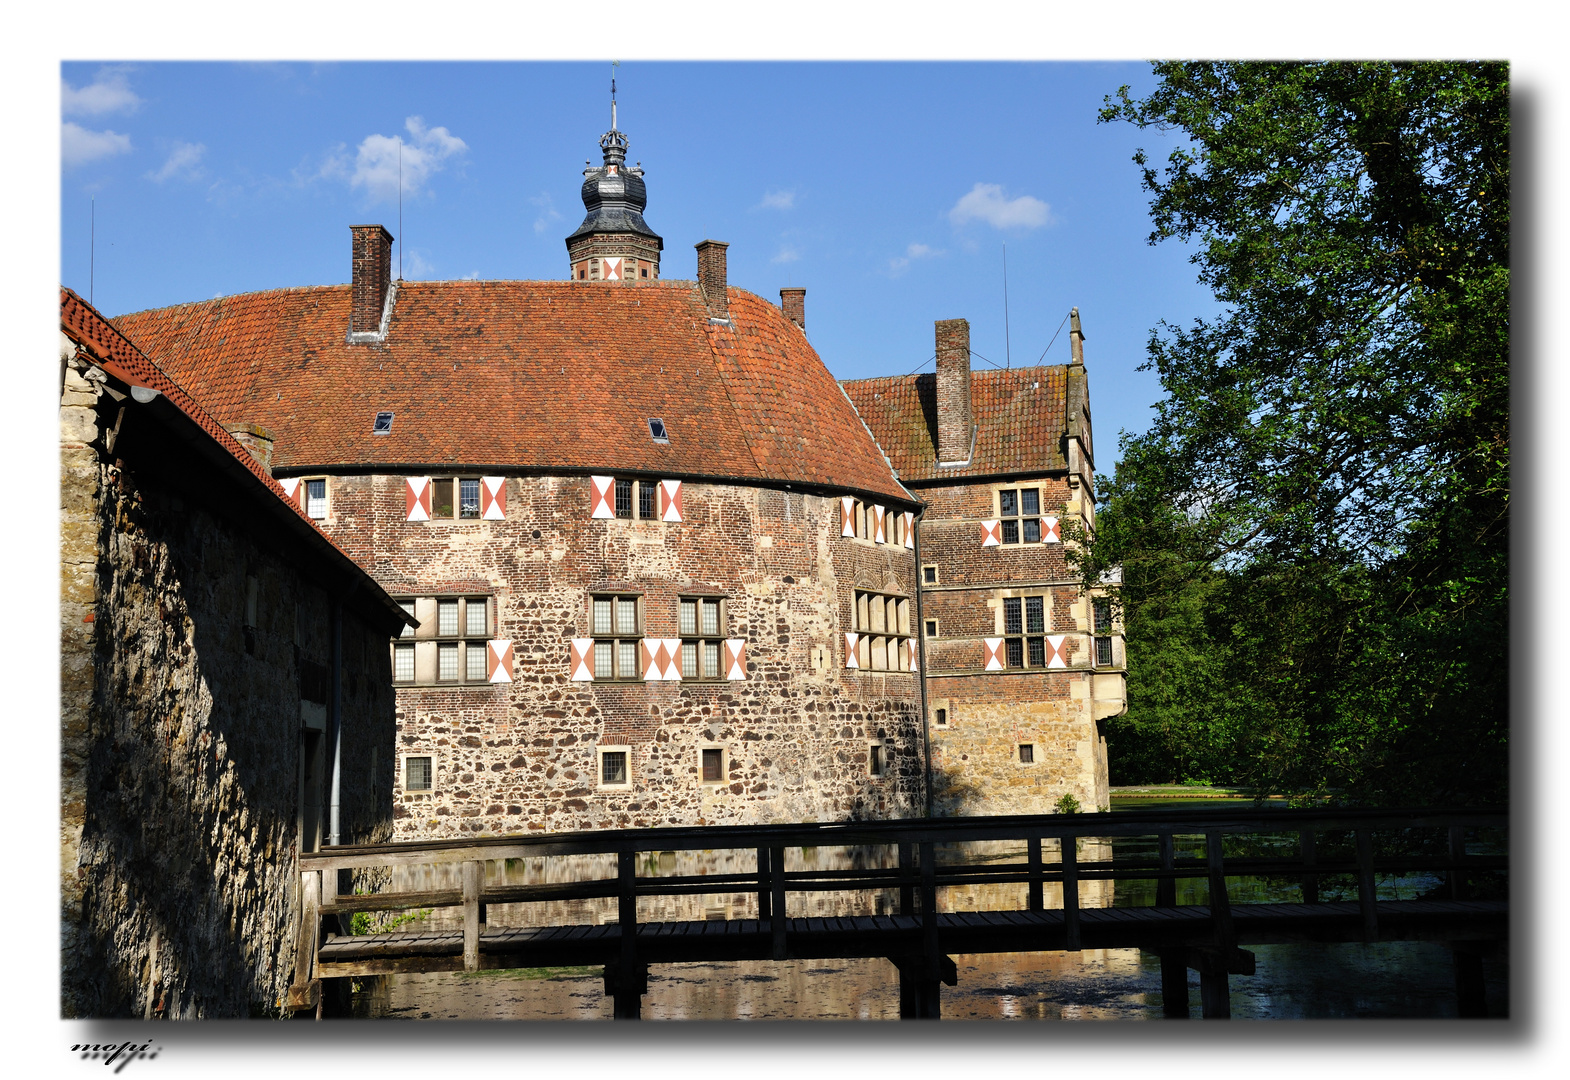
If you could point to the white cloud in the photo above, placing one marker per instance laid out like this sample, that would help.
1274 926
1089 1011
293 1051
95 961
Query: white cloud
108 93
79 146
414 266
779 200
788 253
548 212
985 202
183 162
912 253
376 164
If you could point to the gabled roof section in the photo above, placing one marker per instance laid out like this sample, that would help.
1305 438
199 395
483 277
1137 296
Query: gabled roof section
523 376
1019 415
100 343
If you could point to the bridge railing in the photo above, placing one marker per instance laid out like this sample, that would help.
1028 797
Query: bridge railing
1042 851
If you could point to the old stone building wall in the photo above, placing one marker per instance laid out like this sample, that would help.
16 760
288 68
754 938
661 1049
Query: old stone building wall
980 719
187 637
795 734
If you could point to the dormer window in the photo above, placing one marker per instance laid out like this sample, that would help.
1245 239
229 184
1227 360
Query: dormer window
382 424
657 430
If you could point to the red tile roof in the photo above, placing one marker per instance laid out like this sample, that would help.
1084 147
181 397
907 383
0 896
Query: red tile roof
1019 414
105 346
526 376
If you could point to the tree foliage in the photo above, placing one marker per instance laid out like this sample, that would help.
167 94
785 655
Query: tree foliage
1313 531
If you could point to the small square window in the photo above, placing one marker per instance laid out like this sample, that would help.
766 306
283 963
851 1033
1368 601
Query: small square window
417 774
932 628
929 575
1101 609
876 762
316 499
613 768
382 424
1027 753
943 718
713 765
624 498
657 430
1103 652
474 662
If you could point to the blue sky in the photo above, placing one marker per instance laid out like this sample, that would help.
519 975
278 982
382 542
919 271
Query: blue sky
888 190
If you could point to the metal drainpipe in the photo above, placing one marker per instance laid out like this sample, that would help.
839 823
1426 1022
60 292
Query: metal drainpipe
921 661
335 715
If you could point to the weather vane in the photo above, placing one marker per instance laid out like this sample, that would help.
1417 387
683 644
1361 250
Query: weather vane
614 65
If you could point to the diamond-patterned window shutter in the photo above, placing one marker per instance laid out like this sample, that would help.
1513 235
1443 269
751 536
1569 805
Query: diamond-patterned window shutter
850 649
498 660
670 500
847 516
735 658
1057 650
991 533
612 269
915 666
994 653
601 502
1051 532
582 659
417 498
878 514
910 530
493 497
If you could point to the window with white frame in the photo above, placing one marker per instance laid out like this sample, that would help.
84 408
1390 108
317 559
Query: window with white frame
419 774
1019 510
617 629
1024 630
615 766
450 644
316 498
882 624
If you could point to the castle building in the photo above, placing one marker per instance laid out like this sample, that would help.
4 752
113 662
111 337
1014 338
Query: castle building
665 569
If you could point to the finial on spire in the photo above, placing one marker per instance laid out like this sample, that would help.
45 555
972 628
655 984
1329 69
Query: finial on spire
614 65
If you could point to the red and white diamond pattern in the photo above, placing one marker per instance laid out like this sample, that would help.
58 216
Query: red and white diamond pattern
662 659
612 269
1057 650
735 659
910 534
670 500
991 533
493 497
602 502
994 653
847 516
850 649
915 667
1051 531
877 525
417 498
582 659
498 660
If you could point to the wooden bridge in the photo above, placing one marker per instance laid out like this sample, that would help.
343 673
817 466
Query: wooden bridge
1340 853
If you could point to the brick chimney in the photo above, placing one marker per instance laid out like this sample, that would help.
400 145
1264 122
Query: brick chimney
794 303
257 440
954 417
711 277
372 273
1076 339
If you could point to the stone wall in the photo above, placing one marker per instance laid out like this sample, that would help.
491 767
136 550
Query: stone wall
184 633
523 756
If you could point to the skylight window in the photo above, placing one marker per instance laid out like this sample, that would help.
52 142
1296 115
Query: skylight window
657 430
383 425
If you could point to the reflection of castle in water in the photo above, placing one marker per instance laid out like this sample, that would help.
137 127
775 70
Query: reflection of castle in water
739 903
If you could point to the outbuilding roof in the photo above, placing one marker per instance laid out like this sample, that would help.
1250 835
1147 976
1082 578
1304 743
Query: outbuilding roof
523 376
1020 417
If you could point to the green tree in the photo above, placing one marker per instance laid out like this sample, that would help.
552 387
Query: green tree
1313 532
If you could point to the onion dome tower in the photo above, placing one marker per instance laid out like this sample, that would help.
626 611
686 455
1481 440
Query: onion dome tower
613 243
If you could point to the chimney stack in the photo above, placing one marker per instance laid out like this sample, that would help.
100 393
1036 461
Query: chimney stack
1076 339
954 417
257 440
794 304
372 274
711 277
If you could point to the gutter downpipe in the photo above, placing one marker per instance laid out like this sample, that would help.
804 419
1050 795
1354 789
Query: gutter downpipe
921 649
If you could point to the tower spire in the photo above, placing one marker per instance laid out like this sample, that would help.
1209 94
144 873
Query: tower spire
614 243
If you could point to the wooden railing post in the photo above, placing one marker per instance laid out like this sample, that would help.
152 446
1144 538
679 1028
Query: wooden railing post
1366 894
305 992
930 1007
907 871
1166 887
1033 858
1069 847
780 911
473 875
764 885
1310 881
1220 905
1457 854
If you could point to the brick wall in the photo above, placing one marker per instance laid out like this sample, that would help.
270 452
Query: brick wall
522 756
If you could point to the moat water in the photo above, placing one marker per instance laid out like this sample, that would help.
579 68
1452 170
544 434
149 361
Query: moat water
1382 980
